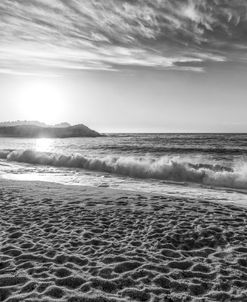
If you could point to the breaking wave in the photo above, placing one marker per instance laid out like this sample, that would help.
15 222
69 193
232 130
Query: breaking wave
163 168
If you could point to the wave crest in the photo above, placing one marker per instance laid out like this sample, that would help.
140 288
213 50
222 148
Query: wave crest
163 168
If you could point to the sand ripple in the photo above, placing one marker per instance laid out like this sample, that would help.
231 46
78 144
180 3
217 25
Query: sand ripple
101 245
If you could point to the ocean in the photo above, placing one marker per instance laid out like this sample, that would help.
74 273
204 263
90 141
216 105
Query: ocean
202 166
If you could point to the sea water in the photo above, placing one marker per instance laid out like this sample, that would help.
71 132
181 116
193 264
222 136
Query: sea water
201 166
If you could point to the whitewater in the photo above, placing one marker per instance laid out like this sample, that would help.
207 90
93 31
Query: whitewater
205 166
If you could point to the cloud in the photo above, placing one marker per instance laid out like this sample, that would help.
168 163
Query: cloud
27 73
115 34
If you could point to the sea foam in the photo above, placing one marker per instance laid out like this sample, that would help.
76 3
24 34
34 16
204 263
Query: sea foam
163 168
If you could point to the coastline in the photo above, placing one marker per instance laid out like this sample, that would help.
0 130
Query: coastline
72 243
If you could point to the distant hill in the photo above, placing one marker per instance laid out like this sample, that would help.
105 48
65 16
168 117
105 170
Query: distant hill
23 123
62 125
35 131
32 123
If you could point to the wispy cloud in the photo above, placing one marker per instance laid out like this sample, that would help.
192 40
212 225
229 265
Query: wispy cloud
22 72
115 34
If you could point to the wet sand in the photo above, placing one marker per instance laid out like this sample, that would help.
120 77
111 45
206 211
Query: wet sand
63 243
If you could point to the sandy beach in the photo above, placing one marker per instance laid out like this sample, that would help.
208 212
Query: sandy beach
123 151
69 243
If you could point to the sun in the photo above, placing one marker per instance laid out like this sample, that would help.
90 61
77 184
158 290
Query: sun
42 101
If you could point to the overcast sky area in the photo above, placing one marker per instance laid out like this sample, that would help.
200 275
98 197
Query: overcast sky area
125 66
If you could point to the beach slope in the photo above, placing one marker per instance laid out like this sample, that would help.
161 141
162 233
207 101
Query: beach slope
63 243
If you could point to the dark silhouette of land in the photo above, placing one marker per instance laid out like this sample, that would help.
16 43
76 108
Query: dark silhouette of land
34 131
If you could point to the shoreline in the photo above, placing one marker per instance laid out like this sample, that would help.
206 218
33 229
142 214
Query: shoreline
78 186
70 243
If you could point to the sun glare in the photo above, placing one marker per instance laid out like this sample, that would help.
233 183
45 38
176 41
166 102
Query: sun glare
42 101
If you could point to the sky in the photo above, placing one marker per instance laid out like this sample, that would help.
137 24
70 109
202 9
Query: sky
125 65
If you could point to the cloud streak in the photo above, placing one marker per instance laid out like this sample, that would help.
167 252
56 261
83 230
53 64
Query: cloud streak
116 34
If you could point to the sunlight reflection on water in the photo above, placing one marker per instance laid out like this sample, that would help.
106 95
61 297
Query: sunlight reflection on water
43 144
